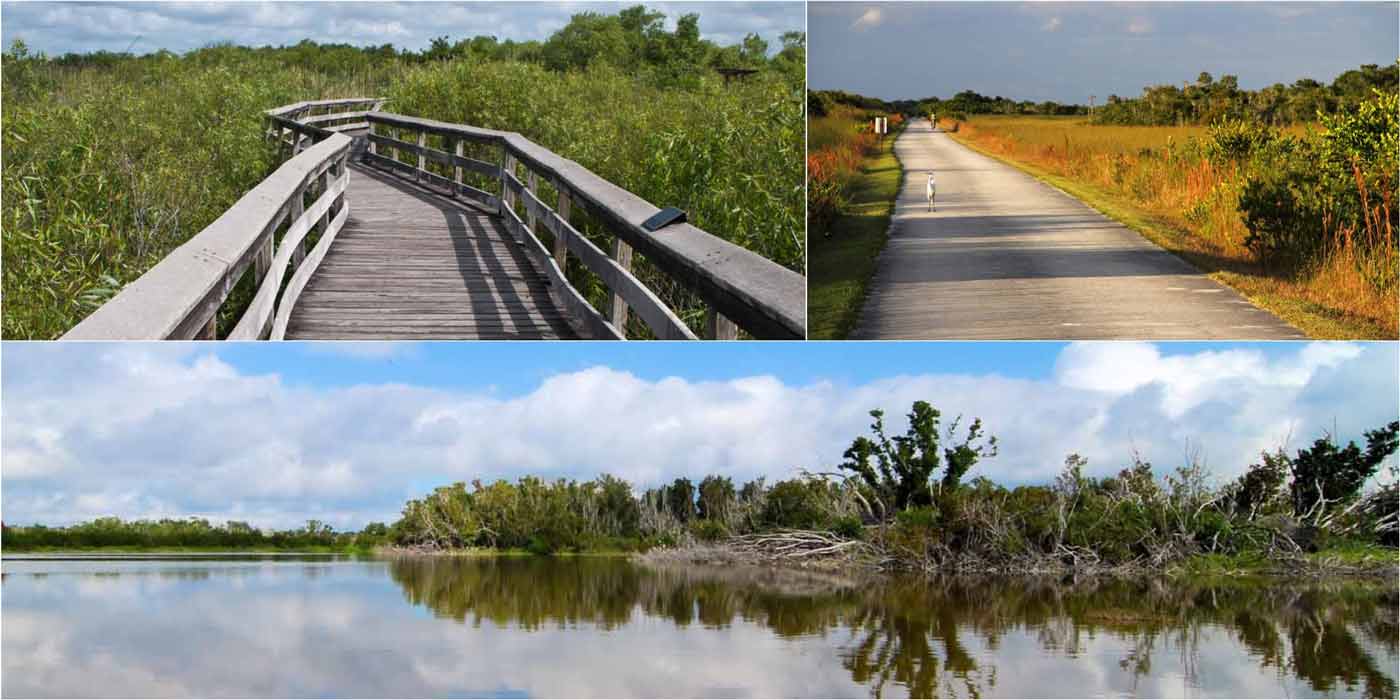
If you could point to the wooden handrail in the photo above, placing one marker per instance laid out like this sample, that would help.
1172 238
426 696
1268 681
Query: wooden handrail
295 125
739 285
179 298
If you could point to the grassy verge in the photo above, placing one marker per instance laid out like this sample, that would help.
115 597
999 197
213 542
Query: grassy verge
840 266
1350 559
1268 292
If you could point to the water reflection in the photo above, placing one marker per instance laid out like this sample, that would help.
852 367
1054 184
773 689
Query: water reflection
592 626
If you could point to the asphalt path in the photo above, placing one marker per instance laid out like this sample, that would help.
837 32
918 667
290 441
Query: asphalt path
1006 256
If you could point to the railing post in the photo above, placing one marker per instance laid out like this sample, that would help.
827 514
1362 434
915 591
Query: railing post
507 168
458 149
561 245
394 133
369 142
422 173
617 313
719 327
533 181
298 208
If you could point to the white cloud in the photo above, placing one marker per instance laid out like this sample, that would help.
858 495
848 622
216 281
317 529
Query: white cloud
172 429
1052 25
1139 25
868 19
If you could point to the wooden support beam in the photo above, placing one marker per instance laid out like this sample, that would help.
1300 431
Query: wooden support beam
533 182
719 327
561 244
422 159
458 149
617 312
298 208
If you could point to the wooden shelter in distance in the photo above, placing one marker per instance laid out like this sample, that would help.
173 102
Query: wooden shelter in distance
732 73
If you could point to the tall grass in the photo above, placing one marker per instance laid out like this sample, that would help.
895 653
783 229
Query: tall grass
837 143
106 170
1188 177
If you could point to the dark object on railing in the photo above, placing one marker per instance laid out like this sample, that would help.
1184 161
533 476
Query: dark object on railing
732 73
663 218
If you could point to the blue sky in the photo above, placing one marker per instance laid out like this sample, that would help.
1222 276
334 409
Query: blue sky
511 369
345 432
1068 51
57 28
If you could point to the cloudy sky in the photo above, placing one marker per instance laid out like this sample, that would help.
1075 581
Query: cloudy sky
1068 51
276 434
60 27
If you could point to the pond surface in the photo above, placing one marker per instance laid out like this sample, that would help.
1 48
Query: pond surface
517 627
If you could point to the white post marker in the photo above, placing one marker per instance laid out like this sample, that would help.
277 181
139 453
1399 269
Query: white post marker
930 190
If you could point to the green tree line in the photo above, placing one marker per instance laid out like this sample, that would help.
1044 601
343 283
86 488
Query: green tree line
189 533
909 492
634 40
1208 100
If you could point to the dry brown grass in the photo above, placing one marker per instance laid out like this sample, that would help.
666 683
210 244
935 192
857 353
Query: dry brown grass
1159 174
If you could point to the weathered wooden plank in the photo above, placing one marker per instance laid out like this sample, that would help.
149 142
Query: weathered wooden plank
622 255
301 107
413 263
338 116
719 327
351 334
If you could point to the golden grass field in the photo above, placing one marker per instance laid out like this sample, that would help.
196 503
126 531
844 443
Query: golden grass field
1156 179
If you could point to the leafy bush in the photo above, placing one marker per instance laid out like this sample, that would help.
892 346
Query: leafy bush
709 530
849 527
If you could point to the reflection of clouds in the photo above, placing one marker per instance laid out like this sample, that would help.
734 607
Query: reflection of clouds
298 629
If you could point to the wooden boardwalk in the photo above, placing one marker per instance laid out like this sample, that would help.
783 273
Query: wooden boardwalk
413 264
390 227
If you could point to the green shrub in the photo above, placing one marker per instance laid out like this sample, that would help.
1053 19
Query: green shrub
798 503
709 530
849 528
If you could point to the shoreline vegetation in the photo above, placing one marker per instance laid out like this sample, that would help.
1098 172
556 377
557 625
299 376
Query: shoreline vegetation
112 160
897 503
854 179
1287 194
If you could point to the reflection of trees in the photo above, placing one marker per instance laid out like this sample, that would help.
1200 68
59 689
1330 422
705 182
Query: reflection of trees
924 637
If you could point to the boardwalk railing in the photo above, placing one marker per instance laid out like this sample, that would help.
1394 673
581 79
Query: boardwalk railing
181 296
741 288
296 126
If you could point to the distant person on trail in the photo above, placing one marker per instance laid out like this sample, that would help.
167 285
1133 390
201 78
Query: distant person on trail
930 190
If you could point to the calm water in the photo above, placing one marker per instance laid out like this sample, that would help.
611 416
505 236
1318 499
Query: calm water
606 627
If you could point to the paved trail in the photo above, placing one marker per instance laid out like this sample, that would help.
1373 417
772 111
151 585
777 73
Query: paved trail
1005 256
